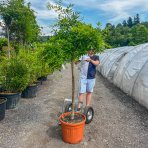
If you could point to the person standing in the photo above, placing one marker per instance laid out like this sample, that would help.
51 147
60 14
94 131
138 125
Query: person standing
88 65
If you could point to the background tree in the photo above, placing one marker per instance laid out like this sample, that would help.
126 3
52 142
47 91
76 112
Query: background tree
124 23
19 20
127 33
136 19
130 22
139 34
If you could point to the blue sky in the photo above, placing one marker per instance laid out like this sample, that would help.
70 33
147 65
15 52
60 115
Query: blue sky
92 11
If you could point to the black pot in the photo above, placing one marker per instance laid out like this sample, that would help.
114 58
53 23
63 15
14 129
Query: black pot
43 78
1 89
30 92
2 107
12 99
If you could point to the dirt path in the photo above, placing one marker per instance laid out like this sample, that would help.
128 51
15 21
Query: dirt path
119 121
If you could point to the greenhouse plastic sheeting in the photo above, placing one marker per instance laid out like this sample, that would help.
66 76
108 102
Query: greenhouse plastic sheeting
111 58
140 90
127 68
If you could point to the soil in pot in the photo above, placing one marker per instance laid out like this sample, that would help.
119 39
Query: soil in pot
77 118
12 99
2 108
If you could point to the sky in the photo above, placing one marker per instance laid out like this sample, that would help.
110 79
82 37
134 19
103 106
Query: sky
92 11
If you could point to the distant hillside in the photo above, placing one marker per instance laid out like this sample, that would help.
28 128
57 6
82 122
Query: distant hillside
129 32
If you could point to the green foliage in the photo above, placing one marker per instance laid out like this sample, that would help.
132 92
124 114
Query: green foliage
24 67
42 39
3 42
139 34
29 58
128 33
51 56
130 22
136 19
38 62
14 75
75 37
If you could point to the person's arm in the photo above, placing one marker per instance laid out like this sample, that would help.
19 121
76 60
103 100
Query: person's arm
97 62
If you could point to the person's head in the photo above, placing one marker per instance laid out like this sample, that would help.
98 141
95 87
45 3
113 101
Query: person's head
90 52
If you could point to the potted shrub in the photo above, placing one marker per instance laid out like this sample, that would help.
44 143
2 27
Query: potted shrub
75 38
43 71
14 77
49 60
30 59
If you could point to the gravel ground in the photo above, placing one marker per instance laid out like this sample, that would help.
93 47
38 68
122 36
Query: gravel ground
119 121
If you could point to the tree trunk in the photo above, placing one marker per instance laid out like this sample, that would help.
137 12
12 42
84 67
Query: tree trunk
8 41
73 89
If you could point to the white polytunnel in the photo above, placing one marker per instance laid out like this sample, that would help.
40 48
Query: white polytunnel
127 68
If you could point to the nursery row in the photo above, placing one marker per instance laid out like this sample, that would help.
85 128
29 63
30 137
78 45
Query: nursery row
22 72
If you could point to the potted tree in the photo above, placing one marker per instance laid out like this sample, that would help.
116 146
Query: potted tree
76 38
14 77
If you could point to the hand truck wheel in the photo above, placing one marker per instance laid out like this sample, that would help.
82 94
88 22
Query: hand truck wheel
89 113
68 107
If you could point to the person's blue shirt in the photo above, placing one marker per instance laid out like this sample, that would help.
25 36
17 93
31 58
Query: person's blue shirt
88 70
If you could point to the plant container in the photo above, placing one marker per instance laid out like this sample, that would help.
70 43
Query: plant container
43 78
12 99
72 132
2 107
30 91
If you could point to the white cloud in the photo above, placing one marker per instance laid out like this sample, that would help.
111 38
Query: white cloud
85 3
45 14
113 10
46 31
116 10
42 12
123 9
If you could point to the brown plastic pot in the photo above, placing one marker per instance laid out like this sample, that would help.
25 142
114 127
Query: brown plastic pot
72 132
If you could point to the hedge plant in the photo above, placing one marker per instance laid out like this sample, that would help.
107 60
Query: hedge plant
14 75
